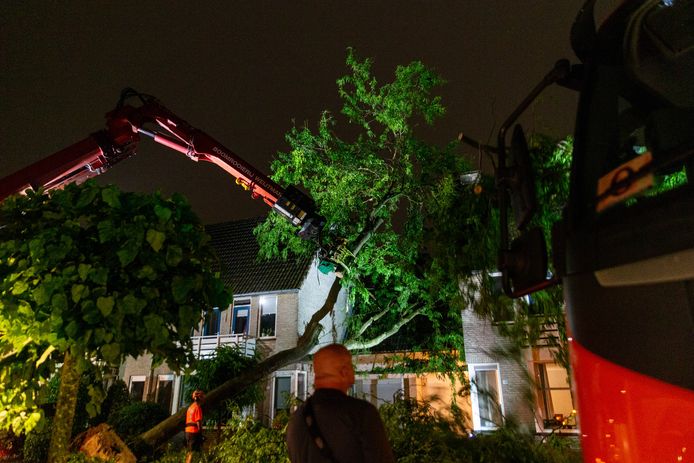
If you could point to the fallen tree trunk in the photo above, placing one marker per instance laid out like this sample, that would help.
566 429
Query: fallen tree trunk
166 429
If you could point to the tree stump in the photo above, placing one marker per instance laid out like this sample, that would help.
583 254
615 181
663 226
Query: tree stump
103 442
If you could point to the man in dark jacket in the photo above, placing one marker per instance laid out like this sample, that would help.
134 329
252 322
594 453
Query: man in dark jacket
332 427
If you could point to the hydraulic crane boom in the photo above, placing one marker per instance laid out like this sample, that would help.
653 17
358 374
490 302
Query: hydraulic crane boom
124 126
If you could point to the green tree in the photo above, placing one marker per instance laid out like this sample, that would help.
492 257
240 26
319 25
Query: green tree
89 275
403 228
380 188
384 192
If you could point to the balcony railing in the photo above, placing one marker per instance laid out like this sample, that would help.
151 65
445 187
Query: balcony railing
549 335
204 346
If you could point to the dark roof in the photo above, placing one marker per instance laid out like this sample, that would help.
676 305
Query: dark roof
242 271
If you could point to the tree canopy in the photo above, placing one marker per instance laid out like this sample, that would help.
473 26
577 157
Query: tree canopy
383 191
404 225
390 200
90 274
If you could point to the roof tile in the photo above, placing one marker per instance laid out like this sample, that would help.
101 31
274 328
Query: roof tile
242 271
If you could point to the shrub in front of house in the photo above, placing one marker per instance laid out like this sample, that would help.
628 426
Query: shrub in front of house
417 434
249 441
135 418
117 397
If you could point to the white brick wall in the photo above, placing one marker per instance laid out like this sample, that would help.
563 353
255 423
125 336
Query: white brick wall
312 295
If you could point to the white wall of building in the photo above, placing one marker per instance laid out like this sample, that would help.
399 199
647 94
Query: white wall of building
312 295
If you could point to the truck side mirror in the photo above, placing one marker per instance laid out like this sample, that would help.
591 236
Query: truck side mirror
524 266
521 182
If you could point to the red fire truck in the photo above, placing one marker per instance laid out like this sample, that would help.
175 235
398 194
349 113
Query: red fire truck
624 250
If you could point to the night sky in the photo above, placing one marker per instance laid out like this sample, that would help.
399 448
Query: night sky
245 72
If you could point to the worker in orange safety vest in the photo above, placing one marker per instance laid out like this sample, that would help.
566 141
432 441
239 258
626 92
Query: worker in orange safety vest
194 425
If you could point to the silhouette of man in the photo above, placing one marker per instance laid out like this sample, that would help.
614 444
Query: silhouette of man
350 429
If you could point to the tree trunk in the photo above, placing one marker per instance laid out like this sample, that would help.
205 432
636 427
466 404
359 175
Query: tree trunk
65 411
166 429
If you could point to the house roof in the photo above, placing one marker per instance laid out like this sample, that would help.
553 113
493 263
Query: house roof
242 271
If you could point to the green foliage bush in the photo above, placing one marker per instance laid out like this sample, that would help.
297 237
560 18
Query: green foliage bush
82 420
176 454
117 397
227 362
136 417
36 444
82 458
248 441
417 434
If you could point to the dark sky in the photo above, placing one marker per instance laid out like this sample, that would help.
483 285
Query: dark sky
244 71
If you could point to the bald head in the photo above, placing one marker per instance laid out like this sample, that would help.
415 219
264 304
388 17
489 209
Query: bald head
332 366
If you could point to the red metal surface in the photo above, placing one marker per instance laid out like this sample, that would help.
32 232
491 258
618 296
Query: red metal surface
627 417
49 172
197 145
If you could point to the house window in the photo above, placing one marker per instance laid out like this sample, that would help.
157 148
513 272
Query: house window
164 391
554 396
387 389
268 316
379 390
212 321
287 385
361 389
503 311
136 388
487 406
241 317
282 393
184 392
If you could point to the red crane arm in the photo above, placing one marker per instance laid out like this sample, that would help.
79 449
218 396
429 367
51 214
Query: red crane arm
196 144
100 151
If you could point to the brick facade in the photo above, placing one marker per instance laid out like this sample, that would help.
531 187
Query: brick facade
484 345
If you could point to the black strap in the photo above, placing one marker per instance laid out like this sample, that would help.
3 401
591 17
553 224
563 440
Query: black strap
314 430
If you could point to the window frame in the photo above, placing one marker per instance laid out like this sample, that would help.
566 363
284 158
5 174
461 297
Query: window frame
218 316
165 377
473 369
275 377
244 304
260 316
293 376
137 379
542 389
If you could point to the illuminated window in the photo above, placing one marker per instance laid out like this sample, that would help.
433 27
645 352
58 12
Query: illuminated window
487 406
268 316
554 396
